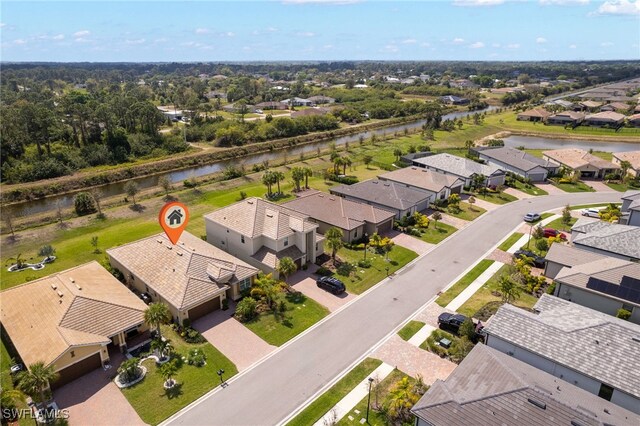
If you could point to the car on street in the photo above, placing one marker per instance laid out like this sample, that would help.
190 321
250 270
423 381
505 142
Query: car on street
591 213
531 217
451 321
550 232
331 284
538 261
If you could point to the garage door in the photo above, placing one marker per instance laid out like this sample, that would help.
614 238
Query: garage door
77 370
537 177
422 205
204 309
456 190
385 227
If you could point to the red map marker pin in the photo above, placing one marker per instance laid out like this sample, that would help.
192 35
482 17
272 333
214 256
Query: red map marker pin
174 218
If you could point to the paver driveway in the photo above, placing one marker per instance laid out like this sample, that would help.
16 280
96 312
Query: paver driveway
598 185
550 188
305 282
95 400
234 340
411 243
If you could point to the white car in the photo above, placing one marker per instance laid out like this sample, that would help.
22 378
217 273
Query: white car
591 213
531 217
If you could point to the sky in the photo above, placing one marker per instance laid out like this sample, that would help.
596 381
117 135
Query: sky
276 30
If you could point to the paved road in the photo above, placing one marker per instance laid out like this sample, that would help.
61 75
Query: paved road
267 394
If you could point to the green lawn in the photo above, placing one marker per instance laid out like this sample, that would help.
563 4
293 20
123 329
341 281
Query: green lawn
276 328
434 235
513 238
575 187
529 188
330 398
411 328
467 212
589 206
446 297
495 198
620 187
149 398
365 278
557 224
484 295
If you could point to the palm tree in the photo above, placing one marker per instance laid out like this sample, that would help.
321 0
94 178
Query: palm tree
10 397
307 173
334 242
337 163
268 180
267 285
387 247
168 370
376 239
297 175
162 347
286 266
398 153
157 314
18 260
402 398
278 176
624 167
346 161
129 370
509 289
36 379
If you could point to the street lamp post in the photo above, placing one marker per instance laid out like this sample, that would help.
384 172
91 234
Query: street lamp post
369 398
530 229
220 373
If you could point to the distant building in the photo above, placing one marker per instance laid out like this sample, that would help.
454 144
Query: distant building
454 100
535 114
582 161
320 100
633 157
566 117
608 118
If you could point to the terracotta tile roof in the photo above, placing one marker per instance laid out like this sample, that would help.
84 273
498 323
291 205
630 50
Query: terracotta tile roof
254 216
338 211
421 178
591 104
576 158
180 273
632 157
535 112
606 115
80 306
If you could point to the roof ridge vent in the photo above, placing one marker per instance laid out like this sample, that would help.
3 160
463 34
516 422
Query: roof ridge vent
53 286
59 293
179 253
72 280
159 240
537 403
249 201
78 286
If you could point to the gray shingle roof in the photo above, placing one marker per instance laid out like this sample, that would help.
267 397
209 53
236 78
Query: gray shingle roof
422 178
613 238
596 344
566 255
386 194
516 158
457 165
492 388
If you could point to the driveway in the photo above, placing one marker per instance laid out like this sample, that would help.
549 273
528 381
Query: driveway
305 282
411 243
550 188
95 400
480 202
234 340
598 185
517 193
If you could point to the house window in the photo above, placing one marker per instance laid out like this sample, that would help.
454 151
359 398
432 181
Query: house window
356 234
245 284
286 241
606 392
627 307
222 241
242 239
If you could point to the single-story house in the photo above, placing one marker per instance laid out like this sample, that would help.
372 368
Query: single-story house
590 105
192 277
490 387
310 111
610 239
462 168
320 100
582 161
297 102
354 218
270 105
608 118
630 208
235 108
634 119
566 117
562 256
261 233
438 185
568 105
535 114
605 285
633 157
71 320
518 162
615 106
454 100
387 195
591 350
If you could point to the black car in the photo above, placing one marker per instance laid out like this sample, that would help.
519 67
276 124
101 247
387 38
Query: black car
451 321
538 261
331 284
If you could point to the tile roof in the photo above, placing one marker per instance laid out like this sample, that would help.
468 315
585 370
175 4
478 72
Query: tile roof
591 104
185 274
254 216
80 306
457 165
614 238
588 224
632 157
579 338
338 211
270 257
391 195
606 115
496 388
535 112
516 158
576 158
634 196
567 255
422 178
570 114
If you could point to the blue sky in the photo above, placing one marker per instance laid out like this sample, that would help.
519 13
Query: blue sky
320 30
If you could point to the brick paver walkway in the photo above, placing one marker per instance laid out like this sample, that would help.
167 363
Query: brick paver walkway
429 315
305 282
550 188
413 361
500 256
411 243
450 220
234 340
598 185
484 204
517 193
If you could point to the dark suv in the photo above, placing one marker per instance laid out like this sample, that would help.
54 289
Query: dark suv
451 321
331 284
538 261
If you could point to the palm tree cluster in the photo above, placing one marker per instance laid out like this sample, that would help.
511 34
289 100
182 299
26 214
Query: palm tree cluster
343 162
270 178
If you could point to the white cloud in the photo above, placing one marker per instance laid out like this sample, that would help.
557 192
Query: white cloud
136 41
335 2
606 44
563 2
202 31
476 3
513 46
476 45
409 41
82 40
20 41
541 40
619 7
82 33
305 34
58 37
2 24
572 46
458 40
160 40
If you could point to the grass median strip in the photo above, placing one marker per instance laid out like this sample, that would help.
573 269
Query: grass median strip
330 398
463 283
513 238
410 329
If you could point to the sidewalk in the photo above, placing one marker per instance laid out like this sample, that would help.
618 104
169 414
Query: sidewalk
466 294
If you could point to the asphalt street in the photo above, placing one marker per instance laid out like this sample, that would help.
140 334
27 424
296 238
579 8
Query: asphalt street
269 392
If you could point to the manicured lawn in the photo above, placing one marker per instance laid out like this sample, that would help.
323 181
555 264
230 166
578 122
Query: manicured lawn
453 292
513 238
365 278
557 224
434 235
467 212
621 187
575 187
330 398
411 328
529 188
484 296
149 398
492 197
276 328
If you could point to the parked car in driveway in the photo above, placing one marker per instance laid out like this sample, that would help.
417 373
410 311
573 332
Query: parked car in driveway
331 284
531 217
550 232
538 261
591 213
451 321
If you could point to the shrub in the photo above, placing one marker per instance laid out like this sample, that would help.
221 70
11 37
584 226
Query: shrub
623 314
542 244
323 272
364 263
415 232
345 269
282 306
193 336
84 204
468 329
196 357
552 288
246 309
129 370
46 250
